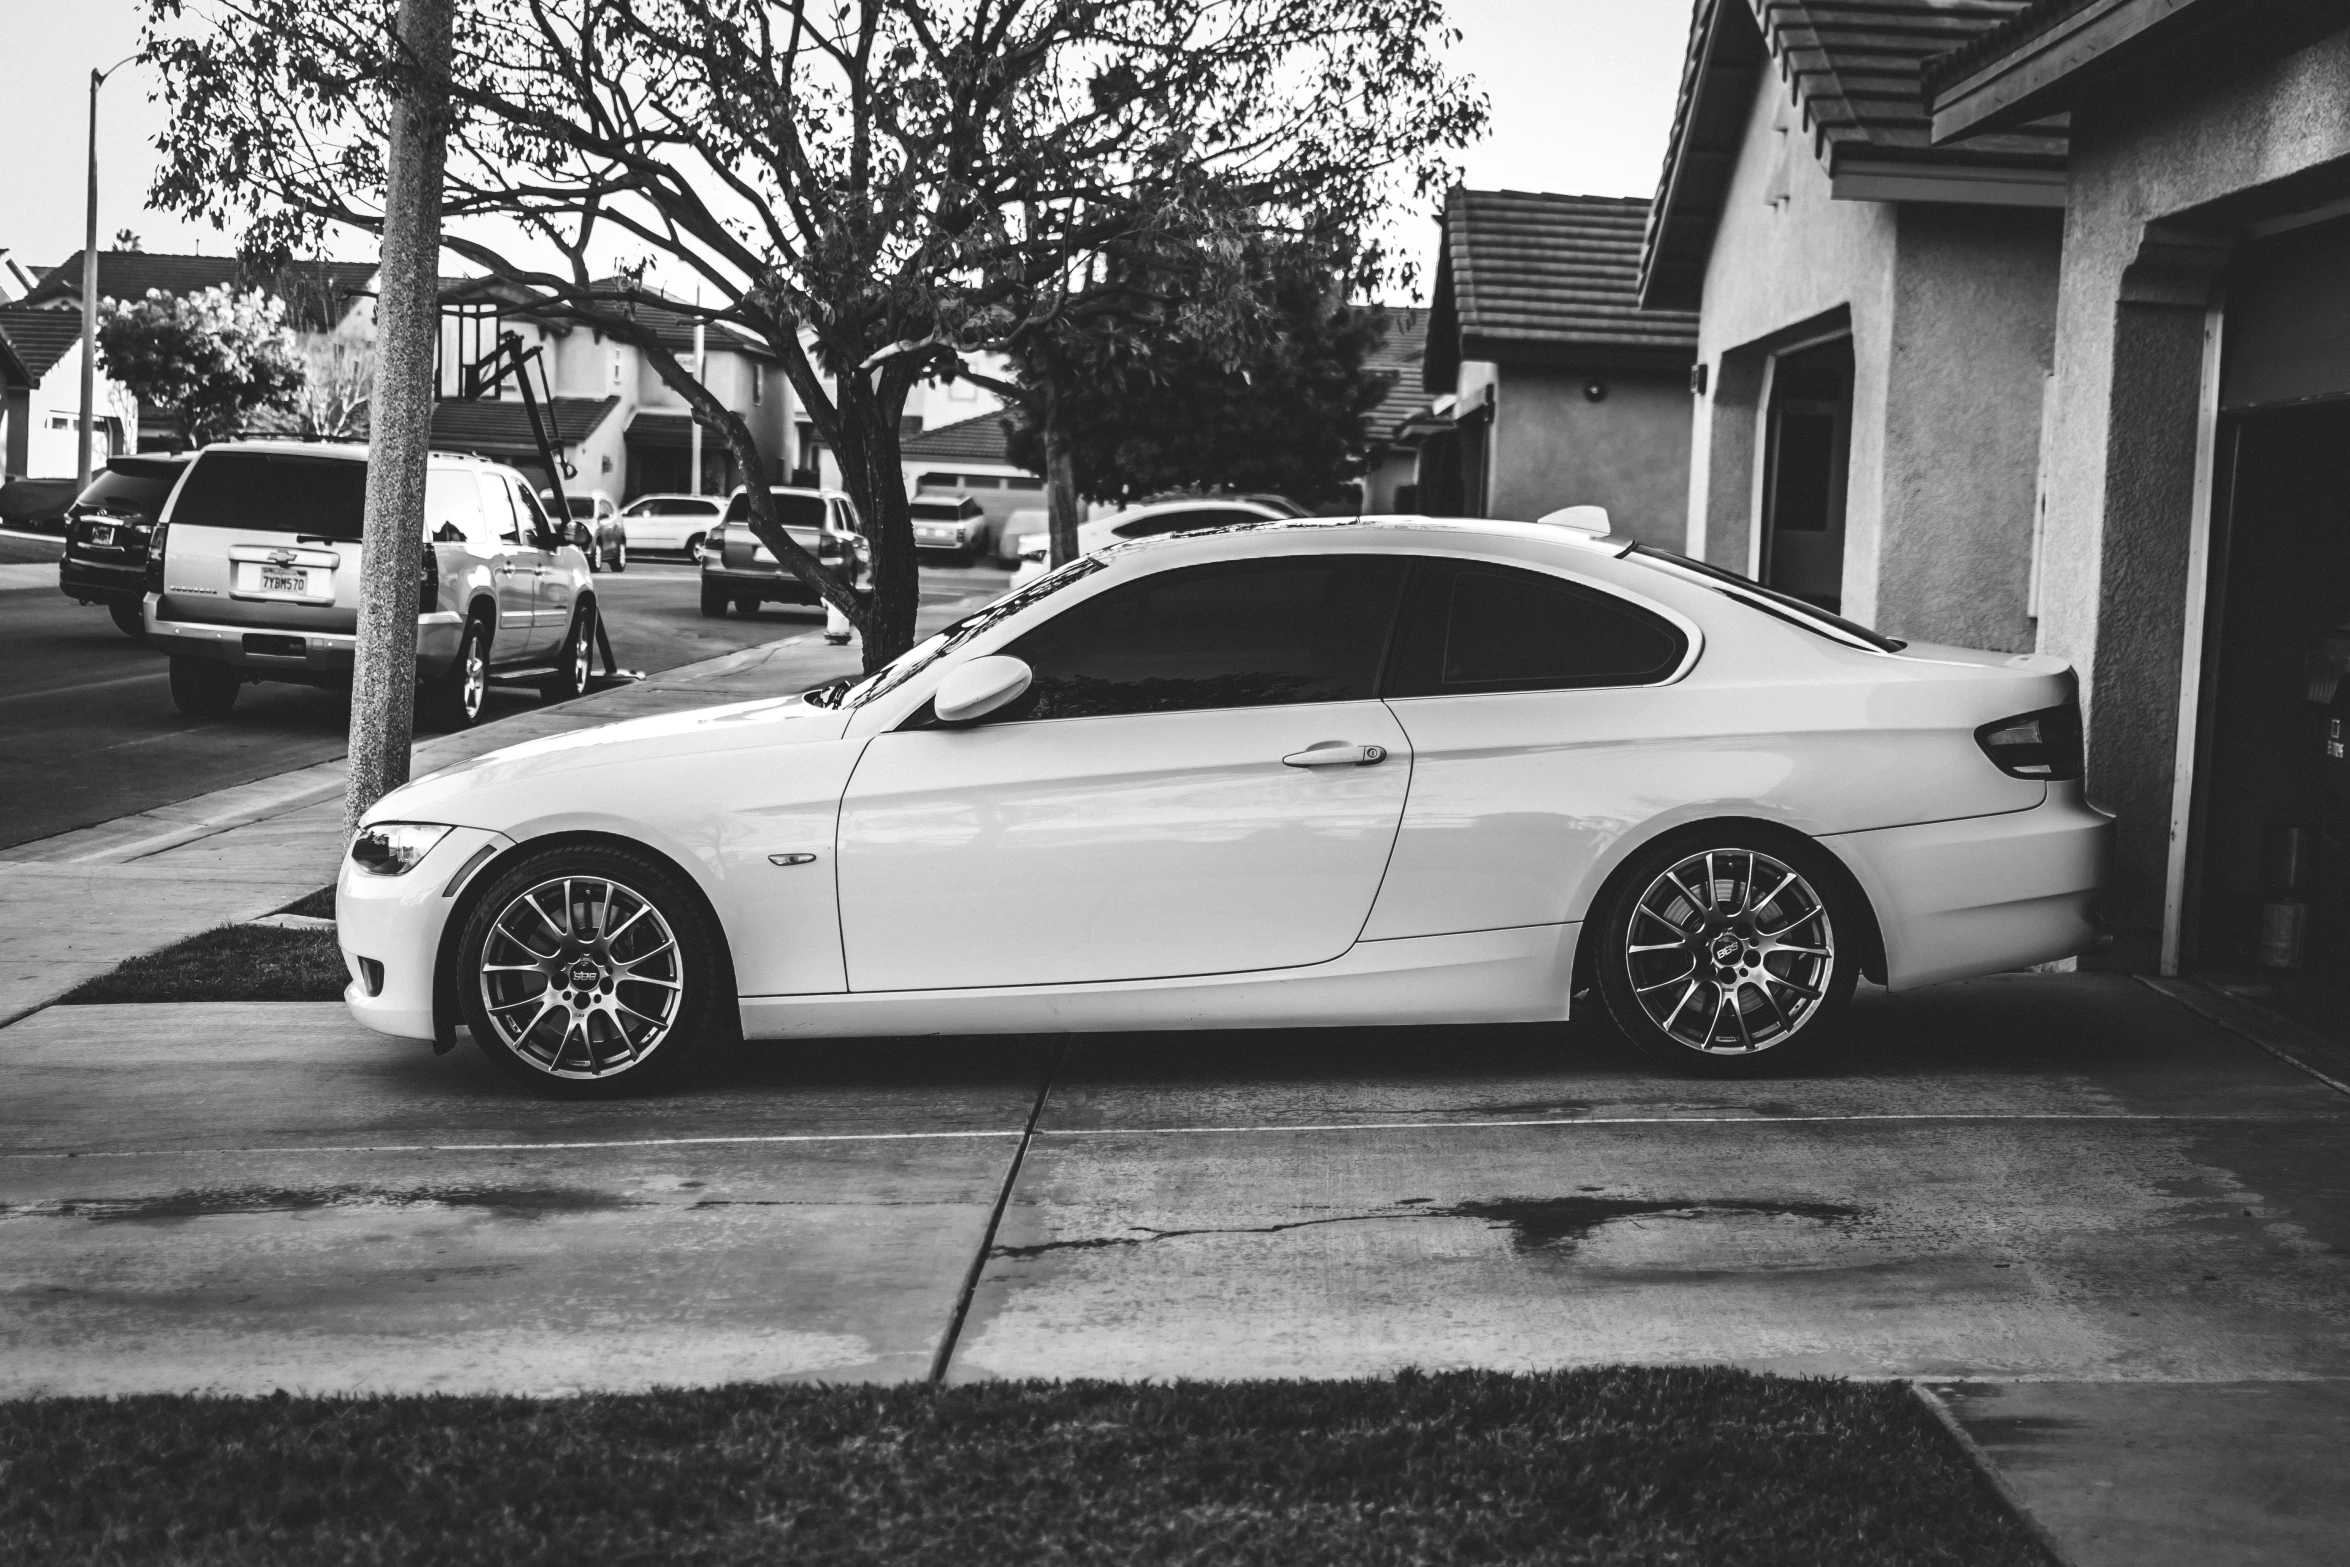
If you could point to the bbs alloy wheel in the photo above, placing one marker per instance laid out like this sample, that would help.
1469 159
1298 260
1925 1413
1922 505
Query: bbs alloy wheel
586 970
1716 956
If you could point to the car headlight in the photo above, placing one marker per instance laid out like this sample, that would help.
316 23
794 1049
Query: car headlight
393 848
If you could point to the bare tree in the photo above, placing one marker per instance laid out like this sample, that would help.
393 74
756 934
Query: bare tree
867 187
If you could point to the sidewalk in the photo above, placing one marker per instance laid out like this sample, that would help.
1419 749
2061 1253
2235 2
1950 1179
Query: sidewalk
76 905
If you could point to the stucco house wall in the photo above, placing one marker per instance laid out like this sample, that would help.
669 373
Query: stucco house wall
2133 300
1554 446
1951 312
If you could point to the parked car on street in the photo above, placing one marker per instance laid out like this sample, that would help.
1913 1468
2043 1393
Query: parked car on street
1385 771
253 575
738 570
106 533
956 526
597 530
671 524
1188 514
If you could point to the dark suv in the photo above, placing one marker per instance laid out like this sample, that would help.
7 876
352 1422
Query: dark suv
107 530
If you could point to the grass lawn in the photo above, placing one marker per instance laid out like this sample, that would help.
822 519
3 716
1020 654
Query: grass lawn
1618 1465
233 963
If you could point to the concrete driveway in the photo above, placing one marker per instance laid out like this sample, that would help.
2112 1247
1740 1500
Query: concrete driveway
2116 1234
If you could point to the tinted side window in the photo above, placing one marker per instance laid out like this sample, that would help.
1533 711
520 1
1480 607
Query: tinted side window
534 516
1247 634
276 492
1474 628
497 504
452 507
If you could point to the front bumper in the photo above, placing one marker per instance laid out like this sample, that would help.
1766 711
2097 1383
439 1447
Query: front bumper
101 582
1986 893
267 650
395 924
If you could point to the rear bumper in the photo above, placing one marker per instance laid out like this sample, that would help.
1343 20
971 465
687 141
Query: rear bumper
1987 893
101 582
268 650
776 585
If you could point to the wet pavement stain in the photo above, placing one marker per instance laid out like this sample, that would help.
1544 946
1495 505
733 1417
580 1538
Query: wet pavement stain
1554 1225
526 1202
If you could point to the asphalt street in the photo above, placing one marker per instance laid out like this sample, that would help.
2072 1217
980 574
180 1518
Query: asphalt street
88 732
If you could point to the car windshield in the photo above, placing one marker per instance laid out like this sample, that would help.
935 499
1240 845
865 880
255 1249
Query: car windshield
1785 606
791 509
125 494
276 492
852 691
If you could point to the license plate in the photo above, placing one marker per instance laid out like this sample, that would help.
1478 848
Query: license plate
284 581
102 535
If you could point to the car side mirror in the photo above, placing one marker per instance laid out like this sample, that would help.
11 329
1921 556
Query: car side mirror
983 686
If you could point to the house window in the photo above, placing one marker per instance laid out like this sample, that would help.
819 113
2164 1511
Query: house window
758 385
617 369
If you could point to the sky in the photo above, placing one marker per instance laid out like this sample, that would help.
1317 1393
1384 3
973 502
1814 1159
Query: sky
1582 95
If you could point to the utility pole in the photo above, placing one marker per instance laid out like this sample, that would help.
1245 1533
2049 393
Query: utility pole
693 421
407 319
81 442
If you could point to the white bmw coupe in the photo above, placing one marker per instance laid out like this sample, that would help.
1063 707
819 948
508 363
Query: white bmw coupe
1295 773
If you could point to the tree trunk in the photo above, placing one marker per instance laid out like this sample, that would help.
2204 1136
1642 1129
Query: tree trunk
1060 484
383 683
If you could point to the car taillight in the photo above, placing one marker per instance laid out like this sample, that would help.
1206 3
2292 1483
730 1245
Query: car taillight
2045 744
428 582
154 582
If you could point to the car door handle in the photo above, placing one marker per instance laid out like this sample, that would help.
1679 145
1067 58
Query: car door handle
1336 753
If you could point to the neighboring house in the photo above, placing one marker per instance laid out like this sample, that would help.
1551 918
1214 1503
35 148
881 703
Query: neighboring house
623 430
322 299
2195 558
968 458
42 375
1560 389
1392 430
1875 314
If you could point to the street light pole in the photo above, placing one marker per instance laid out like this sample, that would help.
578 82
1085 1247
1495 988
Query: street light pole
90 289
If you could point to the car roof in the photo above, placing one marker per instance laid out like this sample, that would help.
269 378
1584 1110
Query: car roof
1196 503
1391 526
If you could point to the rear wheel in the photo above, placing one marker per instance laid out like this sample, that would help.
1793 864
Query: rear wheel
202 687
693 547
454 700
589 970
713 599
746 603
620 556
129 618
575 659
1729 953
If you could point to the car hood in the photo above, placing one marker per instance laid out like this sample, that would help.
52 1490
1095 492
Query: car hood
674 739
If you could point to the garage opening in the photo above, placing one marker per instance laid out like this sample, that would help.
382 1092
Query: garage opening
2267 910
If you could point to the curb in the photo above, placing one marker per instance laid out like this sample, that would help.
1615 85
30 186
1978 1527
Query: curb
1988 1472
2298 1047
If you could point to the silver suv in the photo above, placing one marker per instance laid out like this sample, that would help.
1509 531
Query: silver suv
254 575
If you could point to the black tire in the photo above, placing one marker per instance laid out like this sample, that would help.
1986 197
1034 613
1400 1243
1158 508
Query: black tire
654 1000
714 599
454 700
130 618
620 556
693 546
746 603
1770 952
574 658
203 687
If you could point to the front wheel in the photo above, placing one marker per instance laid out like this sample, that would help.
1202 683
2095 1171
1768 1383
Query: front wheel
620 556
130 618
202 687
575 660
588 970
1729 954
